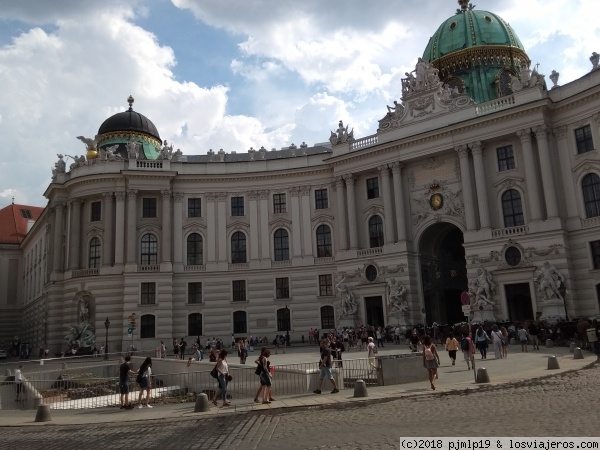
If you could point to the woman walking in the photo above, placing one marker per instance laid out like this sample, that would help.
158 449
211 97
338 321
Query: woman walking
259 370
176 348
223 377
265 377
144 381
504 332
452 347
431 359
497 341
481 341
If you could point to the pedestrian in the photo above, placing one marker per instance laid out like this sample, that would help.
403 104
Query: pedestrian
481 341
467 348
379 336
533 333
325 368
311 335
364 341
175 349
265 377
504 332
124 372
340 349
182 346
259 370
414 341
223 377
19 381
497 340
144 379
163 349
199 352
102 350
242 351
431 359
232 342
523 337
452 347
213 355
371 353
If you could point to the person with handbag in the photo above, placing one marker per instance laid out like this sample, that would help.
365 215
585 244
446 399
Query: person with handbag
223 377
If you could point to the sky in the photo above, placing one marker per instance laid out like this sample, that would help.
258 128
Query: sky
230 74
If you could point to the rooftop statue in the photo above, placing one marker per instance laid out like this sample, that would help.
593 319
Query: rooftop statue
133 150
595 59
342 136
59 166
90 144
424 77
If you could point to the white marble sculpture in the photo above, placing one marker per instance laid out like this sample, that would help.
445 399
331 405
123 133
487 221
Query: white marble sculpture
550 282
347 299
396 297
342 135
481 288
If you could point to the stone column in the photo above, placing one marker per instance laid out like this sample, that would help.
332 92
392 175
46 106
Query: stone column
75 234
531 174
340 220
253 208
108 243
265 236
211 227
131 226
541 135
565 168
119 227
166 226
178 228
295 238
390 234
306 223
482 201
399 201
222 226
58 236
350 179
467 186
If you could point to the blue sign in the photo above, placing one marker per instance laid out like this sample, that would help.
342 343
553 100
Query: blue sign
129 330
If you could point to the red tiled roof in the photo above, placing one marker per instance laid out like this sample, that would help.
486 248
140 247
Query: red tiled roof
13 223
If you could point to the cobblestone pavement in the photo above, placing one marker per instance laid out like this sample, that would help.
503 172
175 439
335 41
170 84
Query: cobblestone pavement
560 405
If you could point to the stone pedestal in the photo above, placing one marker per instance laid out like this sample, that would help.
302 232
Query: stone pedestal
486 313
398 318
553 310
346 321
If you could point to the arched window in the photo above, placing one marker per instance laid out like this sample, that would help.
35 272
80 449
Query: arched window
323 241
238 248
240 325
148 326
149 250
281 244
194 249
375 232
94 253
283 319
195 324
591 194
327 318
512 209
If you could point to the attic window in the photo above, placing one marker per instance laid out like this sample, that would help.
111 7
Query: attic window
26 214
488 19
453 25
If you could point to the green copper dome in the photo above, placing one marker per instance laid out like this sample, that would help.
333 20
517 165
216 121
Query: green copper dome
476 51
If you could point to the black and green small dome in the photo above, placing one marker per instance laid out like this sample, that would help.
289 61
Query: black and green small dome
475 51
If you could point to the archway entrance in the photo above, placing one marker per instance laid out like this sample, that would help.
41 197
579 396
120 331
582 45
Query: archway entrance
443 273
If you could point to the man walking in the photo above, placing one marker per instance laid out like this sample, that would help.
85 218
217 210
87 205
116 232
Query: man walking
124 372
19 381
523 337
182 346
325 368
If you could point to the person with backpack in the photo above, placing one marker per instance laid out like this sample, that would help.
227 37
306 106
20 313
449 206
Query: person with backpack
431 359
452 347
466 346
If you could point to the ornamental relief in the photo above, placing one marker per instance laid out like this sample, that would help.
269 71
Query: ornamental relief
438 201
195 226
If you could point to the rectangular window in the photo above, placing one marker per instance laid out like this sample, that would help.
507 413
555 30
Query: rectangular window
237 206
148 326
583 139
279 206
148 294
325 285
506 158
26 214
595 246
321 199
194 207
373 188
239 290
96 212
148 207
195 292
282 288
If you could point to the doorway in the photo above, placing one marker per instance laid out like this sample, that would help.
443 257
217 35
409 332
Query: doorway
443 273
374 309
518 301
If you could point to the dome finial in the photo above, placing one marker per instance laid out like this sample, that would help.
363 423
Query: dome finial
130 100
464 4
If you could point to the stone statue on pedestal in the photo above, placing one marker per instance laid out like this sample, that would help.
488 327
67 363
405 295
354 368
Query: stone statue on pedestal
550 282
480 290
347 300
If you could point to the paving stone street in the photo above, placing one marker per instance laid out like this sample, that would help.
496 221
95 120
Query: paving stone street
560 405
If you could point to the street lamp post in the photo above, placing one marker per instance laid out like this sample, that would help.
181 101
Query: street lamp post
106 325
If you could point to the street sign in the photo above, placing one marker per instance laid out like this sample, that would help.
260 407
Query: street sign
129 331
466 309
465 298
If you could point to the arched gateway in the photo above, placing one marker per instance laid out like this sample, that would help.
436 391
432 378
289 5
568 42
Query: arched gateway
443 273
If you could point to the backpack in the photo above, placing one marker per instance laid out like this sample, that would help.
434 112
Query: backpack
464 345
428 353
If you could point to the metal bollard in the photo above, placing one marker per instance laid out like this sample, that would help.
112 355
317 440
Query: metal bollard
549 343
572 347
201 403
482 376
553 363
577 353
360 389
43 414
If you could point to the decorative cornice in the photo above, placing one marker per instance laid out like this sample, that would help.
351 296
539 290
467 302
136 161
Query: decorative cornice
178 196
166 195
131 193
524 135
120 196
396 167
560 132
349 178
